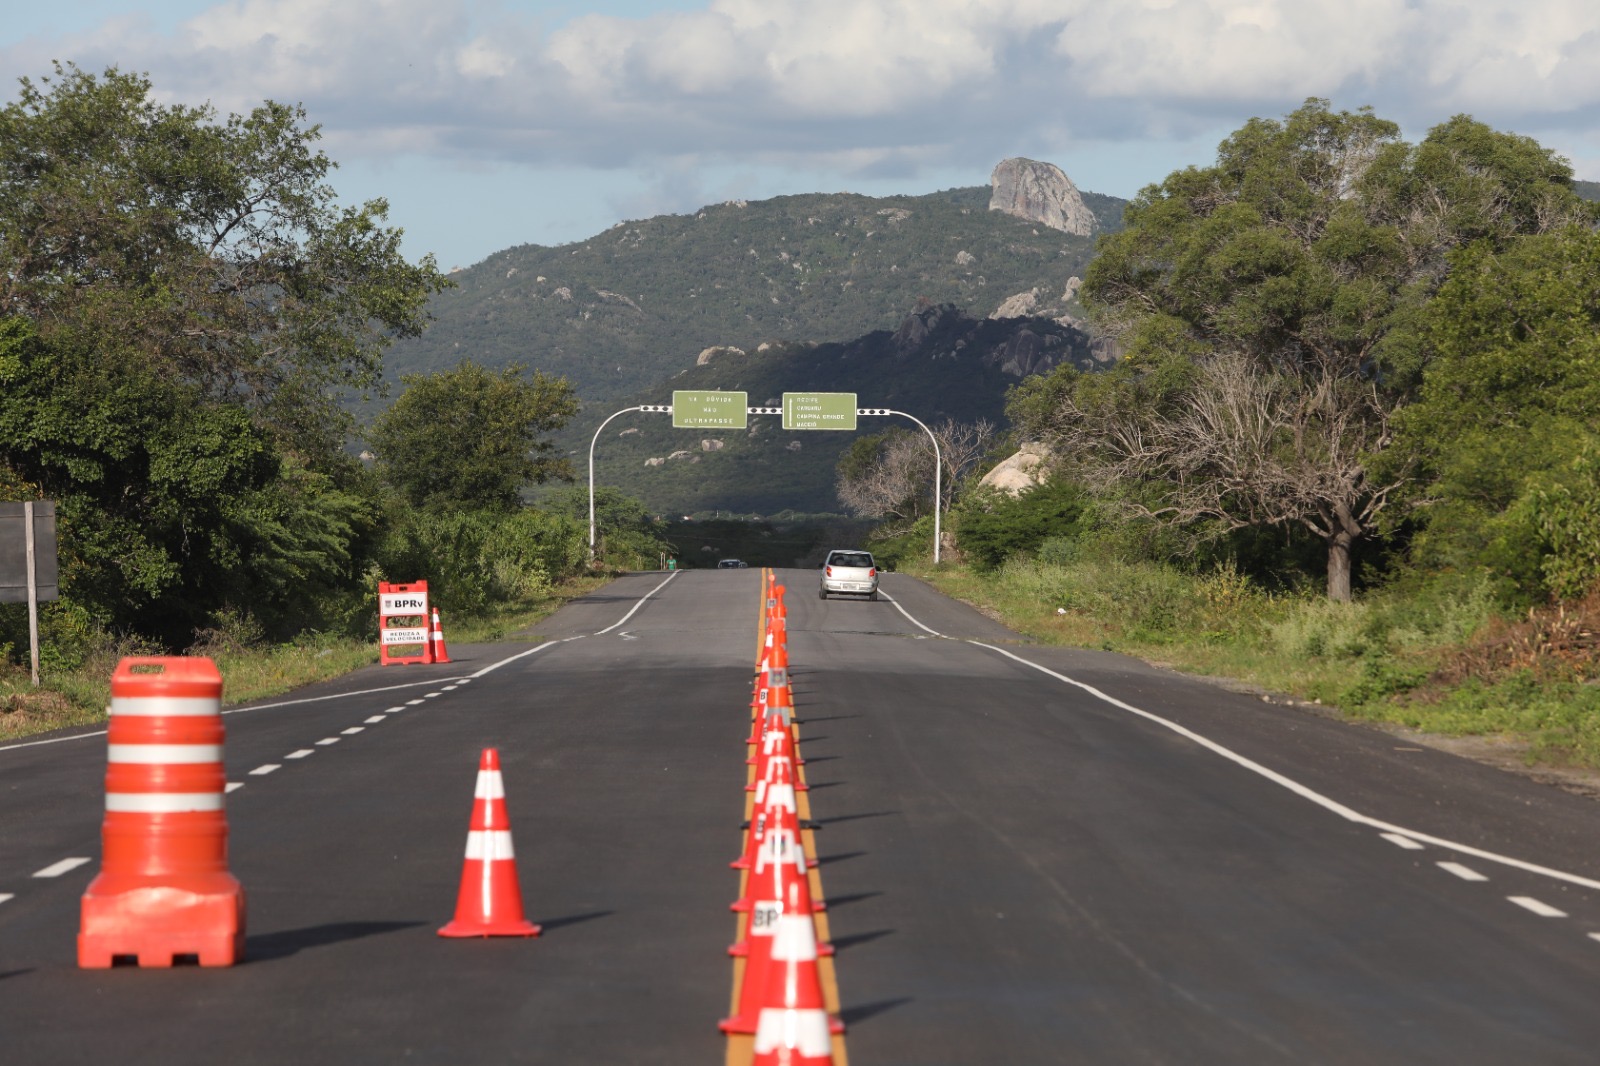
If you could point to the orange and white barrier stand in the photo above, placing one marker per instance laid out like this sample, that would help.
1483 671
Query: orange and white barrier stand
164 889
793 1027
441 654
403 622
490 900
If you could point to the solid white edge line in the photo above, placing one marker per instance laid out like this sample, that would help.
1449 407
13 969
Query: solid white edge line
645 598
1542 909
1301 790
907 613
1466 873
369 691
65 866
1296 787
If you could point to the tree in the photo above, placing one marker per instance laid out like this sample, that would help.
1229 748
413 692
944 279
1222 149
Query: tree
182 301
212 251
1506 429
1269 306
889 475
473 437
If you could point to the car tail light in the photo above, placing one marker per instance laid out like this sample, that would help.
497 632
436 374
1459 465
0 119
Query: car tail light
872 571
830 571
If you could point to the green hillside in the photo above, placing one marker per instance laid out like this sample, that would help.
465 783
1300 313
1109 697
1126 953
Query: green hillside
941 363
637 303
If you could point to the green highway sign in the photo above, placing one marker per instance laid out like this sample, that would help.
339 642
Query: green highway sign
819 410
709 410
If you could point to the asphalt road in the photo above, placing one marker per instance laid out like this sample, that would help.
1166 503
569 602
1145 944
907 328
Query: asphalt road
1030 855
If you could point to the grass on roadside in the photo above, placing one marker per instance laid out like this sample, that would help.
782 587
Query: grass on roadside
1411 656
78 697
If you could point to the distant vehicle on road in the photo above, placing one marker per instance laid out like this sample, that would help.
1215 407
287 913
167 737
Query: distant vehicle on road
849 570
732 564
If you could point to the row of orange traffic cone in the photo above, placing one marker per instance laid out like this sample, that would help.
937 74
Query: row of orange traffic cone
779 999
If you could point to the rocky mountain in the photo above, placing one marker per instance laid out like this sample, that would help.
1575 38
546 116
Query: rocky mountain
641 301
1042 193
939 362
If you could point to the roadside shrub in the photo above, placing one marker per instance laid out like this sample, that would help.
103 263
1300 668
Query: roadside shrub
993 526
475 560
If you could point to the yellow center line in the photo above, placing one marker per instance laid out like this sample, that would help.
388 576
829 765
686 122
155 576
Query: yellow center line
741 1047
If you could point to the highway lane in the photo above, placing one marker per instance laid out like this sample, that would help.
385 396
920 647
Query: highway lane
1018 870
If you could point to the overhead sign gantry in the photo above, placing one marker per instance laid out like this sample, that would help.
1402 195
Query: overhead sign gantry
716 409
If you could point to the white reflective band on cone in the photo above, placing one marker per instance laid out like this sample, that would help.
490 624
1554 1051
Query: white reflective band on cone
804 1030
164 706
780 796
491 786
162 802
489 845
163 754
795 940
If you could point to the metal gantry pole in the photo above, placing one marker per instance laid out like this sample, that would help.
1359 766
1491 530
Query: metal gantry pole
938 470
592 443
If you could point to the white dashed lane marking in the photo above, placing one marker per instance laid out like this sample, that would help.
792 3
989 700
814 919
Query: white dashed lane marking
429 695
4 896
1543 910
56 869
415 703
1403 842
301 754
328 740
394 710
265 769
1466 873
449 688
234 786
354 730
375 718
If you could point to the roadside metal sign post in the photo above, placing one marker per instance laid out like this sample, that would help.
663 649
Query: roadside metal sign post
30 575
715 409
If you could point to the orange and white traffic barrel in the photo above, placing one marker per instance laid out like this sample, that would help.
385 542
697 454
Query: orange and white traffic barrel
164 889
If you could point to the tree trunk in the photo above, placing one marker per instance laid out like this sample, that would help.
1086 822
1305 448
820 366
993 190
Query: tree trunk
1339 567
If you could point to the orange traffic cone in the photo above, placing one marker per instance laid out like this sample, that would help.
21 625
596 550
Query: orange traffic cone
793 1027
490 902
440 653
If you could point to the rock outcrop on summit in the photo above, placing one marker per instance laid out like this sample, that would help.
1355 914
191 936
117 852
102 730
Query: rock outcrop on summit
1042 193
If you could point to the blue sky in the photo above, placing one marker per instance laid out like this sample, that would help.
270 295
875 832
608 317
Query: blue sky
489 123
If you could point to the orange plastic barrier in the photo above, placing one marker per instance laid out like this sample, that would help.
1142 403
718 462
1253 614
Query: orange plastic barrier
164 889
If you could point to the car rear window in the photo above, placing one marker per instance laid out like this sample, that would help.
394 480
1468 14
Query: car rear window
850 559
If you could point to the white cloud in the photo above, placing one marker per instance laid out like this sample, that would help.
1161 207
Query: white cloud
818 83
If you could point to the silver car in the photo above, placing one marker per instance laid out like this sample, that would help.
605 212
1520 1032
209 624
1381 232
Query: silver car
849 570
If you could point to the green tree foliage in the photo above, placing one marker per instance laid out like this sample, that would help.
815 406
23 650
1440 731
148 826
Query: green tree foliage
214 252
473 437
1269 307
1506 430
181 298
992 526
476 559
627 535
